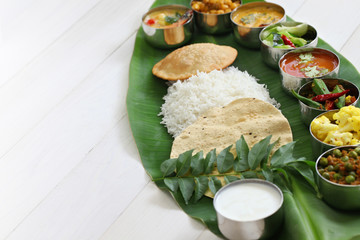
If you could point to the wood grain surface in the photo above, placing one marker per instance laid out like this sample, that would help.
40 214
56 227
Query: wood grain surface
69 167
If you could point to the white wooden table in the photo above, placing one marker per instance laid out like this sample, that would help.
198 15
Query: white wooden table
69 167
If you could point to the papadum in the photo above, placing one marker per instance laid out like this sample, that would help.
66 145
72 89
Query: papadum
184 62
222 126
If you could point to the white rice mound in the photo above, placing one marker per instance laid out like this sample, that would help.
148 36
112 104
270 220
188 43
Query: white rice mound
187 100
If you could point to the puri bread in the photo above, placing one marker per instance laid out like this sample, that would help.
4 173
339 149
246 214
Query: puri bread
221 127
184 62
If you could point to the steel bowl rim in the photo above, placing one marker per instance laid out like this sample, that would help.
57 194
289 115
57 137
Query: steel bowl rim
306 49
254 180
323 110
305 46
256 3
312 135
167 6
332 183
214 14
315 138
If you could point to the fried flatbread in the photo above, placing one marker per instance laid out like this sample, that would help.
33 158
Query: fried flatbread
221 127
184 62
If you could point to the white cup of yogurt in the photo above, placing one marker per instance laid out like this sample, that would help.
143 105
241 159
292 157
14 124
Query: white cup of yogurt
249 209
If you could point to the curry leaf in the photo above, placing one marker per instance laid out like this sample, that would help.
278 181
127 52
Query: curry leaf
197 164
242 151
225 160
168 166
214 184
257 152
249 174
187 186
229 179
311 164
171 20
172 183
268 152
283 155
183 163
201 185
209 161
268 174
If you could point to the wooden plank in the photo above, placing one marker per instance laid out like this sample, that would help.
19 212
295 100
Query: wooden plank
44 157
28 97
208 235
290 6
53 132
66 149
93 194
334 20
351 48
153 215
29 27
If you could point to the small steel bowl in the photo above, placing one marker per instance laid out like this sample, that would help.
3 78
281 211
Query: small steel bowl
263 226
309 113
290 82
212 23
271 55
249 36
340 196
171 37
318 146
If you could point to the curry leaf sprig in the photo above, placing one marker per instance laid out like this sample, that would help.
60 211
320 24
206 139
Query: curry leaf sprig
194 174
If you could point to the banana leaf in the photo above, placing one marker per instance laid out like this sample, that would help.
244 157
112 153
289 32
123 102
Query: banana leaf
306 216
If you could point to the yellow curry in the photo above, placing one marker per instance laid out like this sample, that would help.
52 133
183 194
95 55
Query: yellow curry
167 18
258 16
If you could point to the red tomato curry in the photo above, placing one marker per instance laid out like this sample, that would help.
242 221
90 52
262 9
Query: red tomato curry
310 64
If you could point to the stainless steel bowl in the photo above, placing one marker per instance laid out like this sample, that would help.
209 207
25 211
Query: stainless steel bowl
213 23
290 82
249 36
318 146
271 55
263 227
345 197
172 37
309 113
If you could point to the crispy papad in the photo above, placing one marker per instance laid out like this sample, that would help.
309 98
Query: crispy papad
186 61
221 127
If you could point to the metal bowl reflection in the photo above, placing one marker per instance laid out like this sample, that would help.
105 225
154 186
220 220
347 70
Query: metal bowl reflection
249 36
271 55
291 81
309 113
169 37
213 23
340 196
258 224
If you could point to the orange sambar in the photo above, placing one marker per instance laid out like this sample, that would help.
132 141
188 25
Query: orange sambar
301 66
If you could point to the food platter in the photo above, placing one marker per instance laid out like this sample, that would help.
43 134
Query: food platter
303 209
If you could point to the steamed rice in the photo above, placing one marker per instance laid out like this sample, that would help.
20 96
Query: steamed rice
189 99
